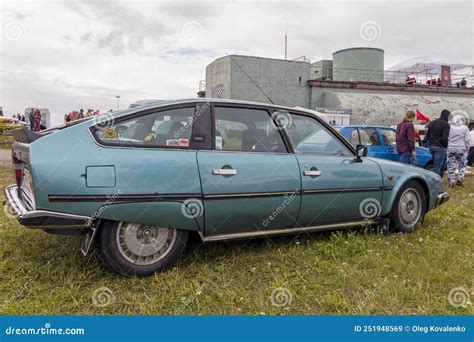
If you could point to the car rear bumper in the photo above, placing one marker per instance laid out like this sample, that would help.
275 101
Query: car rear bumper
30 217
442 198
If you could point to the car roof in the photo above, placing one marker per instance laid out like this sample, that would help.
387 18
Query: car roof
363 126
150 104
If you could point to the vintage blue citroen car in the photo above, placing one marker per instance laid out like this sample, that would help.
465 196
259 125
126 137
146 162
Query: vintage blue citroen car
139 181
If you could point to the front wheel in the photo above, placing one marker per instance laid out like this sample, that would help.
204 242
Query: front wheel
409 208
133 249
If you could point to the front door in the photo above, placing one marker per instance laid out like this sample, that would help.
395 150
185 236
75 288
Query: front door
249 180
388 137
335 188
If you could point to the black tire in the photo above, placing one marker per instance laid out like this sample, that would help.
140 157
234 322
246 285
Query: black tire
118 257
406 207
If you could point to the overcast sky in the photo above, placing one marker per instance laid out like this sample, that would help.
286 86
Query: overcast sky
67 55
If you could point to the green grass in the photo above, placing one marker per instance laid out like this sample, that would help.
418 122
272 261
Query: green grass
6 141
330 273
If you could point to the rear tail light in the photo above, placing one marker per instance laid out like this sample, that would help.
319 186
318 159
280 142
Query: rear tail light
18 169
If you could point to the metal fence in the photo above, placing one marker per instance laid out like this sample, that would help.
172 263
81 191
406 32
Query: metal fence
427 77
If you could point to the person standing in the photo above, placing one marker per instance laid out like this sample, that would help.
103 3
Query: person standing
406 139
37 120
458 145
437 141
31 119
470 158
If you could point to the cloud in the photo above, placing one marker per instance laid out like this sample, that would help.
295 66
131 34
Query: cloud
80 54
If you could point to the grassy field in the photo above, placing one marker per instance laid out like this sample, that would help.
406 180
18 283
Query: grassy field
331 273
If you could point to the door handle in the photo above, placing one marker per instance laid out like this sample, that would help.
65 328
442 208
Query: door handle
224 172
312 173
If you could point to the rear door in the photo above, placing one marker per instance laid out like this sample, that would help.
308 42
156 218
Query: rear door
249 180
335 188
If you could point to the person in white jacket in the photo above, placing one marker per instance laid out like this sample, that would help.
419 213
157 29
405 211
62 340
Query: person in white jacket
458 147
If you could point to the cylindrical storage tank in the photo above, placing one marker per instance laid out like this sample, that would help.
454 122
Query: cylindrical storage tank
360 64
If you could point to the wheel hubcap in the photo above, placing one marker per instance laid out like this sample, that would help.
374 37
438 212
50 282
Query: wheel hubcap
409 207
144 244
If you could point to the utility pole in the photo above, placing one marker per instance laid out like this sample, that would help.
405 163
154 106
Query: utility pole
118 98
286 42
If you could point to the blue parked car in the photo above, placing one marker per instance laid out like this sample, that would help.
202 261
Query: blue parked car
139 181
381 143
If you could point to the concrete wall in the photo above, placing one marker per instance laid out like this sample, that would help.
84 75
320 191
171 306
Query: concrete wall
321 70
218 72
285 82
388 108
358 64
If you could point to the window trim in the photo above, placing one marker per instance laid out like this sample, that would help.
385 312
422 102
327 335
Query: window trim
244 106
323 123
93 129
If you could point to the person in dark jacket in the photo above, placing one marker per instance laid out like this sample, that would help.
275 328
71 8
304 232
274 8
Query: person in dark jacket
31 119
406 139
436 140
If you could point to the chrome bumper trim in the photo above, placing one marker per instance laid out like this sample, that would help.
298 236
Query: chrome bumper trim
442 198
32 218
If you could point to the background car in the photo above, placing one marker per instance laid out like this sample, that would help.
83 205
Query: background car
139 181
381 143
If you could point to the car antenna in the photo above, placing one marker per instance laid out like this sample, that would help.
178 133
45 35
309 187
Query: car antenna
250 78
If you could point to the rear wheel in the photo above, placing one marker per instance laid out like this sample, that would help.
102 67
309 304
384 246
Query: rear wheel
409 208
133 249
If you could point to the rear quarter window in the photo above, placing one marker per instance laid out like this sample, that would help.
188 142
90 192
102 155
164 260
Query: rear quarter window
166 128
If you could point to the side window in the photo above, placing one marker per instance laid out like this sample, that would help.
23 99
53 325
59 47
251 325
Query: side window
307 135
353 136
250 130
368 136
388 136
166 128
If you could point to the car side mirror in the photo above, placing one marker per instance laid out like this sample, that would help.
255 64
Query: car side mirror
361 151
